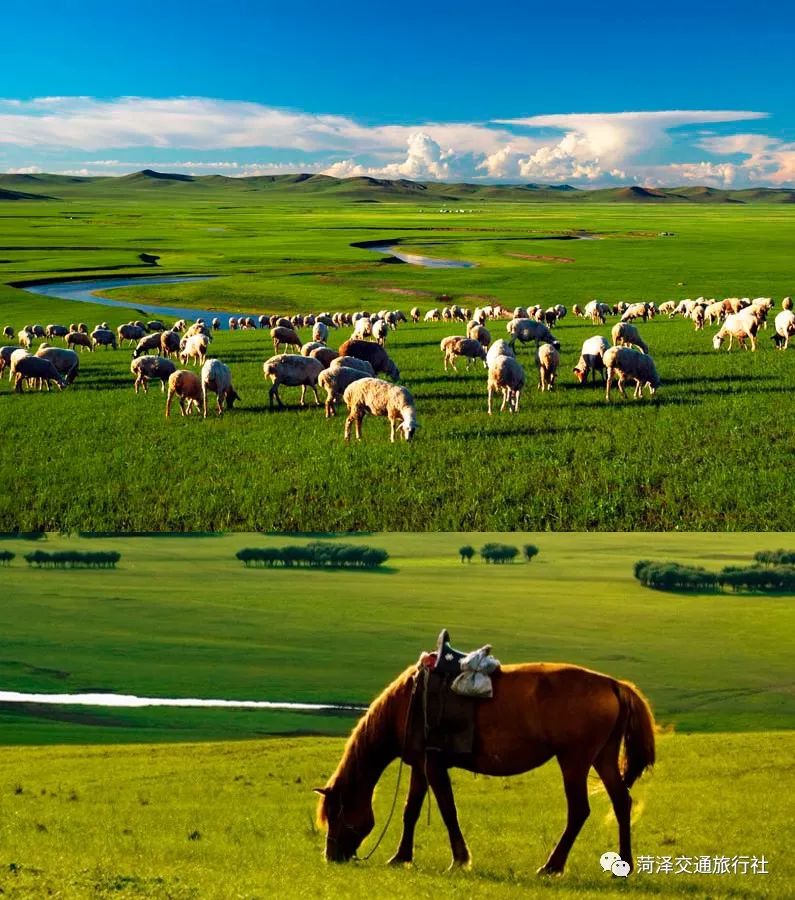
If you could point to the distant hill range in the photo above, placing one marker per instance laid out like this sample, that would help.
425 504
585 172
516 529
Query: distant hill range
362 189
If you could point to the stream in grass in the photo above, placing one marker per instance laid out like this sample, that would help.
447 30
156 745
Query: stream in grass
131 701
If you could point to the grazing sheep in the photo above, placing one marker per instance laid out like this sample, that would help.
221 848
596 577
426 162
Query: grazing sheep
198 327
37 370
714 312
506 376
78 339
38 330
287 336
635 311
233 323
334 381
324 355
12 357
461 346
784 325
529 330
8 332
320 332
626 334
195 348
151 368
433 315
217 377
547 361
25 338
292 370
130 332
737 325
380 331
326 320
150 342
596 312
479 333
415 314
67 362
499 348
786 303
591 359
102 337
6 354
82 328
668 308
155 325
372 353
630 364
362 328
577 311
187 387
216 324
380 398
306 349
170 342
53 331
353 362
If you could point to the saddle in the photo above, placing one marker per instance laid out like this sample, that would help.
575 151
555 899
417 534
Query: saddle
442 720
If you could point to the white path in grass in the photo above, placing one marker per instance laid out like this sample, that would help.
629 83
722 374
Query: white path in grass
132 701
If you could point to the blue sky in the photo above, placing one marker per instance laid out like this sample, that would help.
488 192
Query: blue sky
585 93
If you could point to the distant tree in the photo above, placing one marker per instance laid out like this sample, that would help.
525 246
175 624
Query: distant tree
466 553
498 554
529 551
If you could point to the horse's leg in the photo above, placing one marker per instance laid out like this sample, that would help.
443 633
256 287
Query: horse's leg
606 764
575 783
439 780
411 812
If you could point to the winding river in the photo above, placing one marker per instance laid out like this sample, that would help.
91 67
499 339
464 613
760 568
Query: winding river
414 259
129 701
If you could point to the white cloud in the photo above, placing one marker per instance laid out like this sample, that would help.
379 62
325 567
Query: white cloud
588 149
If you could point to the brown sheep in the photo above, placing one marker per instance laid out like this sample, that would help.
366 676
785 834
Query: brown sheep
285 335
374 354
187 386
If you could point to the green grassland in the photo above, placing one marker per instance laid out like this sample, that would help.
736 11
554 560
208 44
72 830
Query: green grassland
236 820
180 617
121 803
98 457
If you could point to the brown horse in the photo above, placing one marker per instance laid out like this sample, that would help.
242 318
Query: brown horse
538 711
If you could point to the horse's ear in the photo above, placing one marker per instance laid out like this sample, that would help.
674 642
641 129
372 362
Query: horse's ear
322 791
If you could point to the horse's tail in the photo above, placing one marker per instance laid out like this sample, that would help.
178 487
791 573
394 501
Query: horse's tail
638 735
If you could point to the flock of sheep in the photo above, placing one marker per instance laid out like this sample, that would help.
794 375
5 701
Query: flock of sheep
351 374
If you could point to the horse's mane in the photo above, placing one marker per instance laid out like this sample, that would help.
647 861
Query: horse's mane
372 727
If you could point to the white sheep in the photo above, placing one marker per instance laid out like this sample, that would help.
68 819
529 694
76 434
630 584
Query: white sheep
784 325
591 359
626 334
380 331
547 361
380 398
292 370
194 348
433 315
362 329
506 376
320 332
335 381
740 325
352 362
529 330
149 368
499 348
456 345
631 364
216 376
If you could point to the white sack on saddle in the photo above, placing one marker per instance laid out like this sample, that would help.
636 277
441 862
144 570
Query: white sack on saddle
474 679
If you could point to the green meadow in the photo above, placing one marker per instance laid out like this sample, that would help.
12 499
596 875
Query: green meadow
218 803
98 457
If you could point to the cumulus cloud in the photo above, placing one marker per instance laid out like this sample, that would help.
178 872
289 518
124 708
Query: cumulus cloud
587 149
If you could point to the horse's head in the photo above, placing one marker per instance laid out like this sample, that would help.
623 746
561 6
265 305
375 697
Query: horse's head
348 821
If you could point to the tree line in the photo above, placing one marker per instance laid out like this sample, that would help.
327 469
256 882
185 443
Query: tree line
73 559
497 554
318 554
769 576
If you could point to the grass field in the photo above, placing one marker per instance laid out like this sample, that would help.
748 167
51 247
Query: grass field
236 820
97 457
88 810
181 617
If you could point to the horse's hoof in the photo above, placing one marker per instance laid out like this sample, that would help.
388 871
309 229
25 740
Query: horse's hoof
399 861
458 864
549 871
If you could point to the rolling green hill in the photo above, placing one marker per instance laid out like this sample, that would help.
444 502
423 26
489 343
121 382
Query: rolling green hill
366 187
